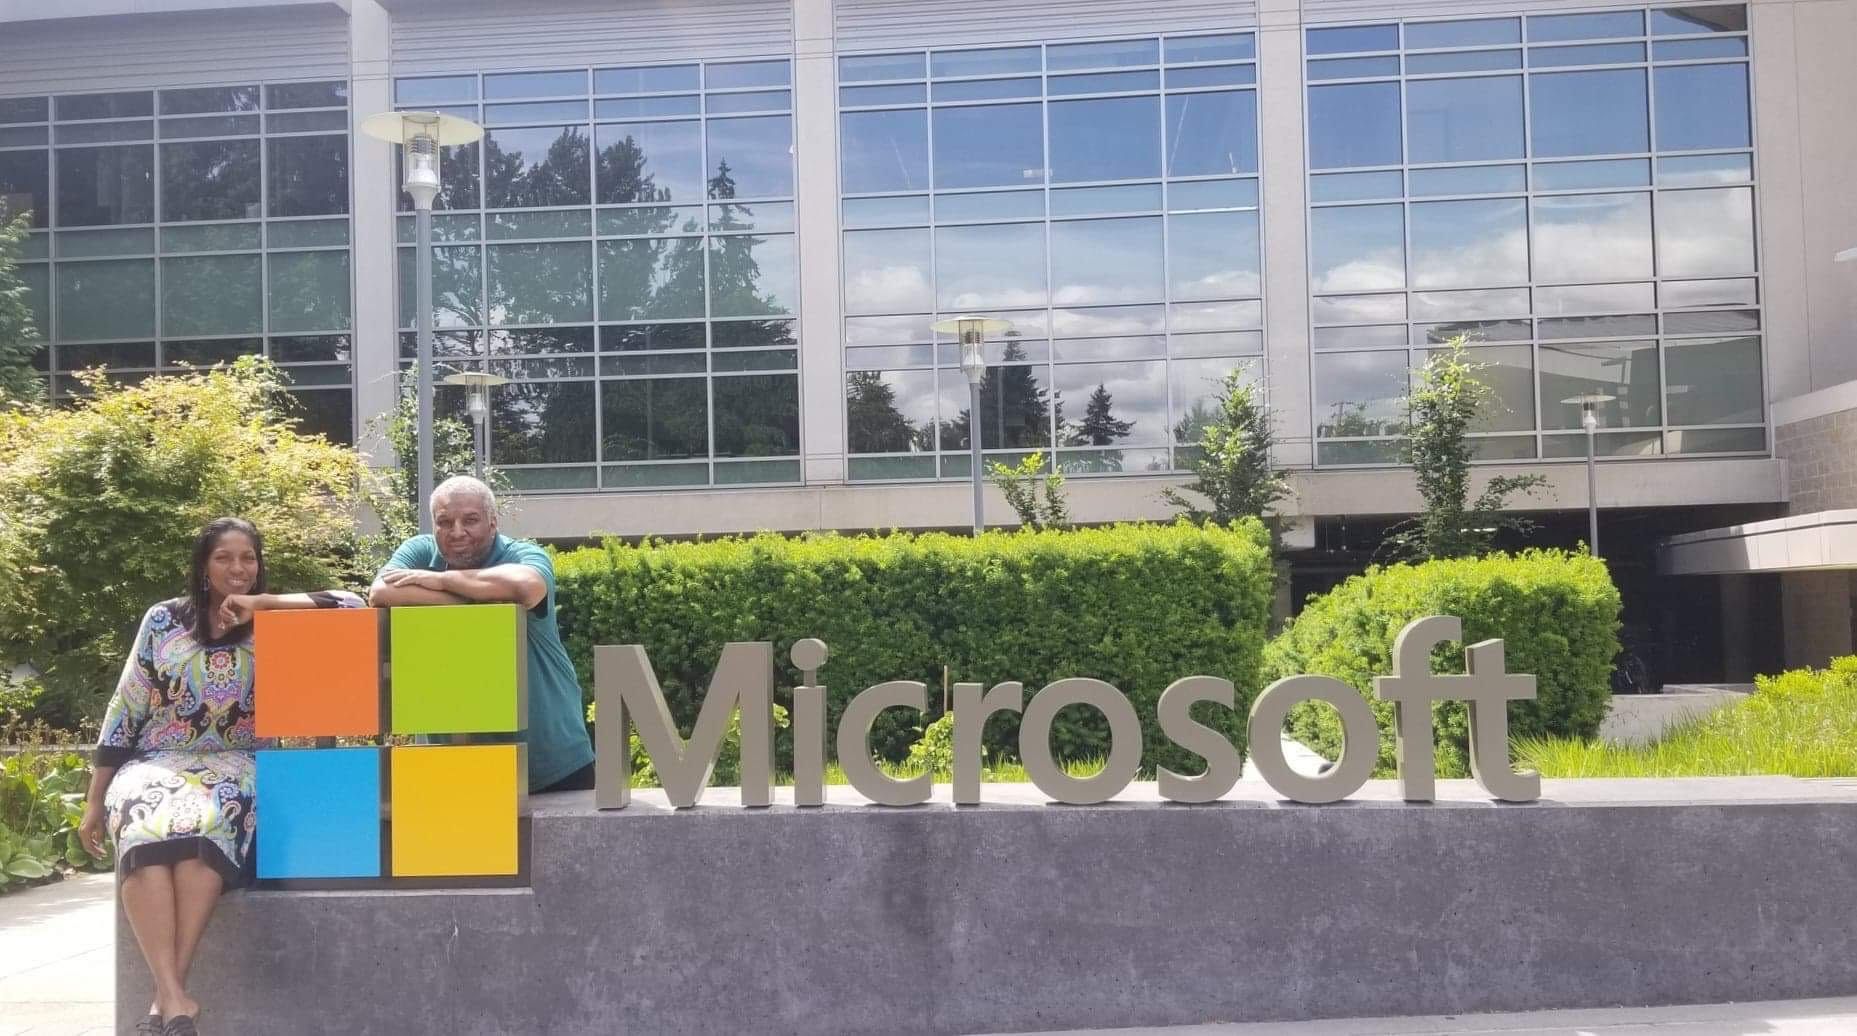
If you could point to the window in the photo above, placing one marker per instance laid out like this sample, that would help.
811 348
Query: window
621 246
1538 209
189 226
1107 210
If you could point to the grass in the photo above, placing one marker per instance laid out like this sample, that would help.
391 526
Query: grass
1801 723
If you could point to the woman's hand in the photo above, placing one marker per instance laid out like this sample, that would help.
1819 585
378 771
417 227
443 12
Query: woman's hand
237 609
90 829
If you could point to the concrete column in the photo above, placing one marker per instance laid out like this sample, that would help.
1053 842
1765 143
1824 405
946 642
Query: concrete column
1816 610
1737 602
1286 255
370 176
815 137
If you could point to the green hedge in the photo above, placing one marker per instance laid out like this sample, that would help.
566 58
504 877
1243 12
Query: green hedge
1136 605
1556 612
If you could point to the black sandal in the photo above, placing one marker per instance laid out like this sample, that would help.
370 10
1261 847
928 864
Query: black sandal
181 1025
151 1026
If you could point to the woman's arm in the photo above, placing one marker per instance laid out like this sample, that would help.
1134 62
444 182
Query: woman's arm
136 691
238 608
90 828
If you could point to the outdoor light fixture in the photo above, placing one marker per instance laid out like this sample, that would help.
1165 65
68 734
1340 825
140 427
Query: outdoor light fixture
973 332
420 135
477 386
1589 420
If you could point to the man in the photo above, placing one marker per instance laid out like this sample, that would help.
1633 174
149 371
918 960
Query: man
467 561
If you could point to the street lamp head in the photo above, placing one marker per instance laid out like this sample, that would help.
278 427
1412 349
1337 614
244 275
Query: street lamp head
972 332
1588 404
420 135
477 386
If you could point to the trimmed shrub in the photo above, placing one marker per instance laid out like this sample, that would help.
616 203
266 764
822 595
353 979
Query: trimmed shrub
1136 605
1556 612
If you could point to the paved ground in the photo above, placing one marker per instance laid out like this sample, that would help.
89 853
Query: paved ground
57 972
1773 1018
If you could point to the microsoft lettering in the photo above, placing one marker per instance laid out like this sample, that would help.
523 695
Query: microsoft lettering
628 694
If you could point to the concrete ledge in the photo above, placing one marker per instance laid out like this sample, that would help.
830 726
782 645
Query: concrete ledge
1020 916
1641 719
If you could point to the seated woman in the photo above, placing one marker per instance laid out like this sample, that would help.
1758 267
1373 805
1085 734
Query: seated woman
174 772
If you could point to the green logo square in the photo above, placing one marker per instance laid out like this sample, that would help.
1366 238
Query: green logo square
459 669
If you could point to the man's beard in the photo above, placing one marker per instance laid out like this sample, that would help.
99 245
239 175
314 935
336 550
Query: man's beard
476 559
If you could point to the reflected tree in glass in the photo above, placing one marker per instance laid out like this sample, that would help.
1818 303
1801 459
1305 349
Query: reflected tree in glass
735 280
558 178
877 424
1016 408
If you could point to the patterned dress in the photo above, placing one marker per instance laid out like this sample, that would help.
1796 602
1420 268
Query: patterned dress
179 730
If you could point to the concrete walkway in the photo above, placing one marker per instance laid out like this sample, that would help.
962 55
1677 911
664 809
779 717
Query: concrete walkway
57 958
1837 1017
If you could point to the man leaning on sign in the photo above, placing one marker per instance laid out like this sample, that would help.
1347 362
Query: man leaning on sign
467 561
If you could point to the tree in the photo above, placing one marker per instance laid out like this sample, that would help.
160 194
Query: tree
19 338
1233 471
1020 486
1444 403
454 452
102 499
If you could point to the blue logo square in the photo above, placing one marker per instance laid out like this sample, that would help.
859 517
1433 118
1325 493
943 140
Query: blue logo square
318 813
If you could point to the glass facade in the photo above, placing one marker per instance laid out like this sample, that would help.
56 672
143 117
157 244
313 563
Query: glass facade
1101 196
189 226
1574 192
620 245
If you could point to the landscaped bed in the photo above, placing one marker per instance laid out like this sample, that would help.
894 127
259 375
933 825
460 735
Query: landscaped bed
1801 723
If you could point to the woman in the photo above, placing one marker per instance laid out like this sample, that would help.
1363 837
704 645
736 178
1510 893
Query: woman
174 772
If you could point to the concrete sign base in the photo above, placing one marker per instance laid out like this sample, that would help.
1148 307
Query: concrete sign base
1019 915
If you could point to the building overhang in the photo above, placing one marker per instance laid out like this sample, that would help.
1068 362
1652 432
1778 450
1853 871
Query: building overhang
949 505
65 10
1816 542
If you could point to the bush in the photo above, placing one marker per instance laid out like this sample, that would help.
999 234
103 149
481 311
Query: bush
1556 612
1136 605
1801 723
41 803
102 501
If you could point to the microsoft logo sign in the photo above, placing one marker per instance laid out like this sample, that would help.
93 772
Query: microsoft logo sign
403 814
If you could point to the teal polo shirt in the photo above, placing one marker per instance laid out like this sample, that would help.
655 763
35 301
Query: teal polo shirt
557 740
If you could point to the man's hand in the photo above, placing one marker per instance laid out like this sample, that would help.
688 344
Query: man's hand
414 579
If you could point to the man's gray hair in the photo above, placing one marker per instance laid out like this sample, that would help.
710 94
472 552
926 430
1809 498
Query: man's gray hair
466 486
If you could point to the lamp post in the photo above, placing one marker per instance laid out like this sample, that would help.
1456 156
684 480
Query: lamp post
420 135
973 332
477 386
1589 420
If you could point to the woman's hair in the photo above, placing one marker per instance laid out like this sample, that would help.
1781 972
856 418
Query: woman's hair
198 599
